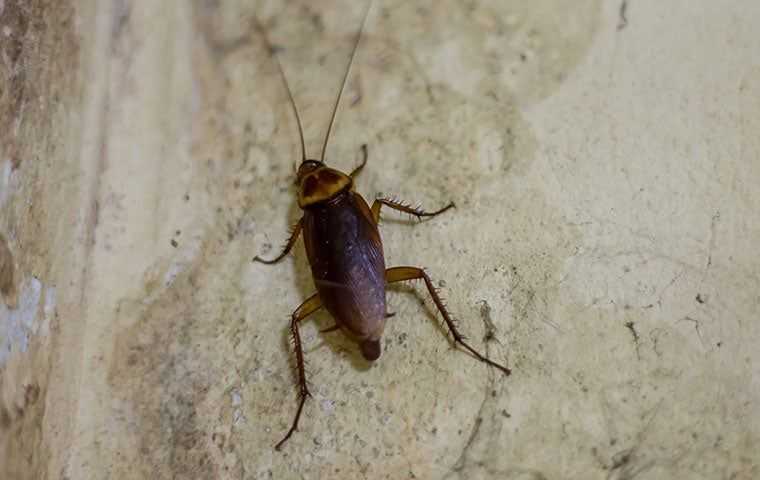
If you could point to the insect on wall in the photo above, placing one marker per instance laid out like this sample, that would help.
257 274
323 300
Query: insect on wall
344 249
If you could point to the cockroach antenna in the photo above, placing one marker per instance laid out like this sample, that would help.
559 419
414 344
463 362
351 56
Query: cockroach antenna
273 53
345 79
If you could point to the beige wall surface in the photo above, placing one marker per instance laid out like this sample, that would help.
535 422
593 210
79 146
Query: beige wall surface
604 157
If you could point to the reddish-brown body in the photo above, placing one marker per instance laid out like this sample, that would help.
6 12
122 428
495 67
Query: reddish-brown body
346 255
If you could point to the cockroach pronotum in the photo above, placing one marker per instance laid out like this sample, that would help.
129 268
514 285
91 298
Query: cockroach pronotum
345 252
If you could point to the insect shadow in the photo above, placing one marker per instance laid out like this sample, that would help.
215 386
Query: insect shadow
345 252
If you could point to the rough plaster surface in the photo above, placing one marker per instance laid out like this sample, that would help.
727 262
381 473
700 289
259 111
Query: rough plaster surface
605 161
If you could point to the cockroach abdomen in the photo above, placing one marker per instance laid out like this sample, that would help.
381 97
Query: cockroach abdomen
371 349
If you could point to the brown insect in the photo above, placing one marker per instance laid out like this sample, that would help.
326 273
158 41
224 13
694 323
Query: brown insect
345 252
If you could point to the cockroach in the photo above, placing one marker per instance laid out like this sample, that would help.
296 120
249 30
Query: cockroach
345 252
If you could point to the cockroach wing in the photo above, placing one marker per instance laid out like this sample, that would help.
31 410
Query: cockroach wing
346 256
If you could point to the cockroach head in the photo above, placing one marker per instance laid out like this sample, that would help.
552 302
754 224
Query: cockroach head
318 183
306 167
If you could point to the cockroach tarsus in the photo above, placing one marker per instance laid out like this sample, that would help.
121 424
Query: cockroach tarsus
345 252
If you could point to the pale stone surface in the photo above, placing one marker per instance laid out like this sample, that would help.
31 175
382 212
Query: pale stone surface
605 168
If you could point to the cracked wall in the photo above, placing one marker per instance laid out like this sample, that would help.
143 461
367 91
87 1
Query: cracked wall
604 163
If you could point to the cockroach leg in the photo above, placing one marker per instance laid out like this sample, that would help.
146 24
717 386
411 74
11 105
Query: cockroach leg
311 305
403 207
288 246
399 274
358 169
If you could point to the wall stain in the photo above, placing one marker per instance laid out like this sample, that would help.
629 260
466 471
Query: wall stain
39 62
7 283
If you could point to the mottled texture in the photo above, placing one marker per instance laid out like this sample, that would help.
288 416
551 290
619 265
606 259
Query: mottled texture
603 156
7 283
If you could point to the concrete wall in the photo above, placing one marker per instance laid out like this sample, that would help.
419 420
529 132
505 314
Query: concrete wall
605 162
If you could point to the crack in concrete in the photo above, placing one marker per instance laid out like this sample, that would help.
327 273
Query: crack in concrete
627 464
696 323
461 463
490 396
623 15
630 325
711 242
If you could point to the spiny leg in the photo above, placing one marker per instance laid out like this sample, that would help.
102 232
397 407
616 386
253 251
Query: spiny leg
288 246
406 208
358 169
398 274
308 307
